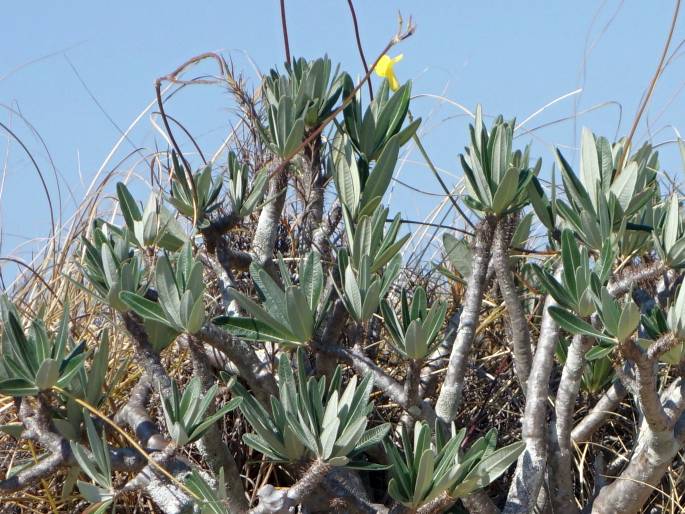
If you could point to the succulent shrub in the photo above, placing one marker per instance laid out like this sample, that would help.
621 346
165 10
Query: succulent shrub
281 282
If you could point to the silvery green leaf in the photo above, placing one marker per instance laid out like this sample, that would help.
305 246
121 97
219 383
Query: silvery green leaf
144 307
331 411
574 188
87 463
491 467
311 279
269 450
541 205
415 342
129 208
388 253
372 437
261 315
629 321
599 351
352 293
197 317
274 296
349 437
98 369
398 495
522 232
186 307
328 437
109 265
199 429
12 429
552 286
167 289
256 194
195 280
210 502
591 230
590 173
574 325
624 185
48 374
424 476
676 256
346 173
159 334
371 300
339 461
92 493
381 175
501 155
459 254
300 317
17 387
672 224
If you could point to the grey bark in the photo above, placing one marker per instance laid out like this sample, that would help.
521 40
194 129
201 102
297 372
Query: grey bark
479 503
520 335
626 282
363 366
333 328
280 501
134 414
626 495
527 479
148 358
561 452
249 365
657 443
449 400
267 226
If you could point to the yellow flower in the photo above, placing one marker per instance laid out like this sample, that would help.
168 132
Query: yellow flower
384 69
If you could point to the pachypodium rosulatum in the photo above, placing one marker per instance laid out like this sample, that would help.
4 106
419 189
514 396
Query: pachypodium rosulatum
256 338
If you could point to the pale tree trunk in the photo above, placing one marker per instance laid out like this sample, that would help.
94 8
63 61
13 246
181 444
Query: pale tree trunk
449 399
561 451
528 477
520 336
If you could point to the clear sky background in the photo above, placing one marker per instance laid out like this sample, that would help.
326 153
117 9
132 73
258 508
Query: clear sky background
512 57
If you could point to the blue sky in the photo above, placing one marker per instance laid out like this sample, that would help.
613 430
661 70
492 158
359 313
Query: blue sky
512 57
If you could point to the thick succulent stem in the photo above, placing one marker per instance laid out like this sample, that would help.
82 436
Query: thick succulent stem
520 335
629 492
412 381
628 280
334 326
530 469
479 503
134 414
246 360
147 356
279 501
657 443
363 366
449 399
561 457
38 427
267 226
314 199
